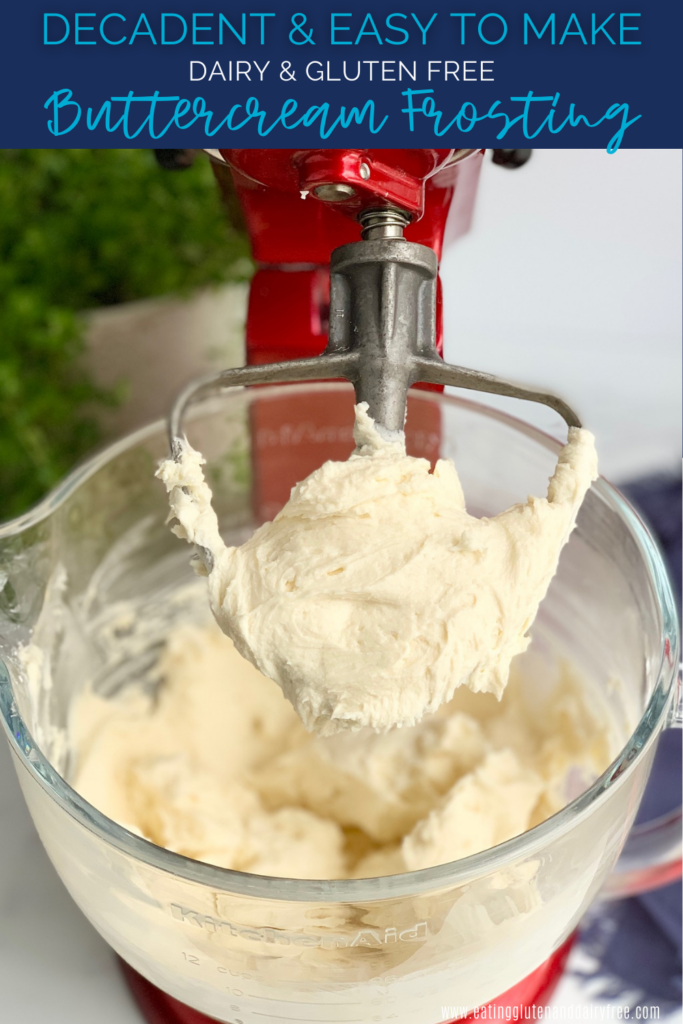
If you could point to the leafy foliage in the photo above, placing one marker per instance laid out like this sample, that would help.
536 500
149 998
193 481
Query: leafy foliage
81 229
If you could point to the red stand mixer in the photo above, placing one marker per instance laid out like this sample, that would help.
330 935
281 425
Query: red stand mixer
304 211
376 301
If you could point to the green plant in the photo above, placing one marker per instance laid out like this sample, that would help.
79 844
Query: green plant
81 229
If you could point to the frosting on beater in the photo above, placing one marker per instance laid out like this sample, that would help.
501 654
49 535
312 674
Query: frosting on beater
373 595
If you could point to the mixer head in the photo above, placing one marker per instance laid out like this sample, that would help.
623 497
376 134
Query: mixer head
382 335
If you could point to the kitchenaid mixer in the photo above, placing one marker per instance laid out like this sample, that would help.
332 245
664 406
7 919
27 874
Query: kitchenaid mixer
237 927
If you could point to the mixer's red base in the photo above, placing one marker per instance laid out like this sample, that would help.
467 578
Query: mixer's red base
535 990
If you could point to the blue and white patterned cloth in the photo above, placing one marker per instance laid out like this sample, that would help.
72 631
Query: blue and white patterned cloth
629 952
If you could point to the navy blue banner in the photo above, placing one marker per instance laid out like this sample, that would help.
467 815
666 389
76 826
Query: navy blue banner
332 73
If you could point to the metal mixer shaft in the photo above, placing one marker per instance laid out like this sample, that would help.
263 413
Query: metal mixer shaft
382 335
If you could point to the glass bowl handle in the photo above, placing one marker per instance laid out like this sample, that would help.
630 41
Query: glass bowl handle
652 854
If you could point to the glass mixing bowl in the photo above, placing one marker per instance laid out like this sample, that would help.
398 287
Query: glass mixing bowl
95 579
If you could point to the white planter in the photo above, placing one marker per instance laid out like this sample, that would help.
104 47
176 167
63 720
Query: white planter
157 345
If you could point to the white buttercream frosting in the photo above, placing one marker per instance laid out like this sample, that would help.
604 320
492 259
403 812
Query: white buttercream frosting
373 595
217 766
